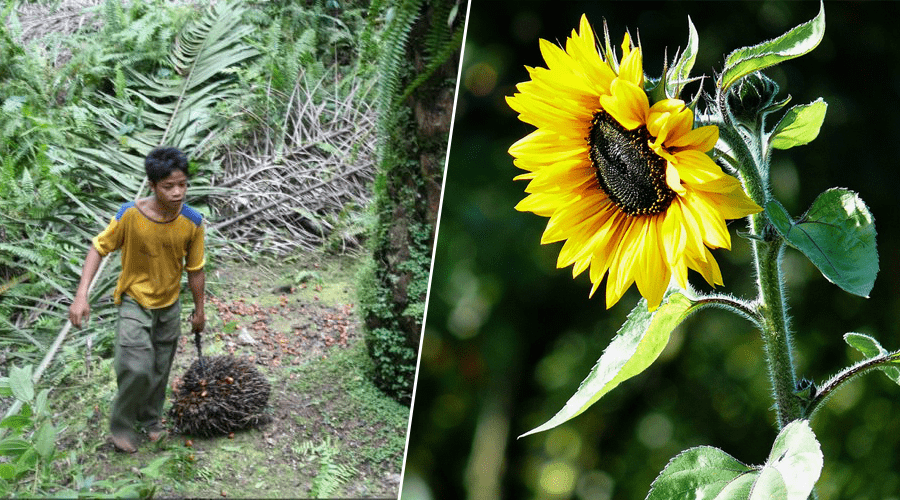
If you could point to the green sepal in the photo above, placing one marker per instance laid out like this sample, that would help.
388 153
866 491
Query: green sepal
750 236
800 125
775 106
837 234
609 54
635 347
796 42
870 348
791 471
680 72
675 77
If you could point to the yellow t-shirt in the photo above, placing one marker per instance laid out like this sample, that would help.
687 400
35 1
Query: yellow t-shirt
154 254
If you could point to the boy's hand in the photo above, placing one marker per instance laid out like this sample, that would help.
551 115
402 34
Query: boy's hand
79 310
198 321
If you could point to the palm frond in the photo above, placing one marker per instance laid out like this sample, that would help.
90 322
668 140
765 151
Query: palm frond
5 287
176 110
147 111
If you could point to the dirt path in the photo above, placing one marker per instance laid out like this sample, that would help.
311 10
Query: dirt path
330 434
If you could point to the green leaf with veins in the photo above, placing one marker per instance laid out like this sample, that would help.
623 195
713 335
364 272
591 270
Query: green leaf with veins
870 348
636 346
796 42
794 465
800 125
837 234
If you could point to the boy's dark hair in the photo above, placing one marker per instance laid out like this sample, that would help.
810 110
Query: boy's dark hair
161 162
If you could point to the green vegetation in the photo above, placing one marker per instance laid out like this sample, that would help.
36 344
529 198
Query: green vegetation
333 432
393 286
509 338
275 105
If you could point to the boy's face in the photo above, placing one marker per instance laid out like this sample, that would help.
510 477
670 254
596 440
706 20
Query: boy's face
170 190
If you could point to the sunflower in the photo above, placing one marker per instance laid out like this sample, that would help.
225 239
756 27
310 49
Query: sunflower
628 186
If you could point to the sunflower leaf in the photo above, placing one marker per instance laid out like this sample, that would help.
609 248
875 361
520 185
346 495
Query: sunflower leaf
865 344
706 472
837 234
635 347
793 467
870 348
800 125
796 42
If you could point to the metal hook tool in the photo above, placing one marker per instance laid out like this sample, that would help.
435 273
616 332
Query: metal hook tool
197 343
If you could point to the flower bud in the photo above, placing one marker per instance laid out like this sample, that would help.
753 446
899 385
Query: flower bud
751 97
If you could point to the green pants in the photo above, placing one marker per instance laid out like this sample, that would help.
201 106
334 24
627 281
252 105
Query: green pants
146 341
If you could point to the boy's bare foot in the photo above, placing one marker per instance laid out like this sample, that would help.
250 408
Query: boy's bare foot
157 435
123 444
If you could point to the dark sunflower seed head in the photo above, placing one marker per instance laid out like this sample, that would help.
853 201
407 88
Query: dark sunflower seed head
628 170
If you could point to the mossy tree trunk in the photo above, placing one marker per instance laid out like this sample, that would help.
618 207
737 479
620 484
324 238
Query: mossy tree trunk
415 114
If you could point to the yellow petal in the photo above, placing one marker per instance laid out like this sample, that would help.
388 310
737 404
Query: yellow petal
556 58
540 204
700 139
715 233
597 231
564 121
562 176
707 267
524 177
622 268
701 172
583 48
628 104
672 106
672 113
693 241
626 44
673 180
576 221
631 68
674 233
605 249
653 276
733 205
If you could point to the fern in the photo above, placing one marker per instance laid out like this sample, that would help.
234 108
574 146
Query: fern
113 17
5 287
177 111
331 475
22 252
446 51
391 63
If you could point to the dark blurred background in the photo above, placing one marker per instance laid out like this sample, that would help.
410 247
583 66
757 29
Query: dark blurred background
509 337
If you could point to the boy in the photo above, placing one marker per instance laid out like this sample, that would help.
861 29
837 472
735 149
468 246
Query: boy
159 237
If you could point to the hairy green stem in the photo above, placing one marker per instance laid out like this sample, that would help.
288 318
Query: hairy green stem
749 150
738 307
827 388
775 330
